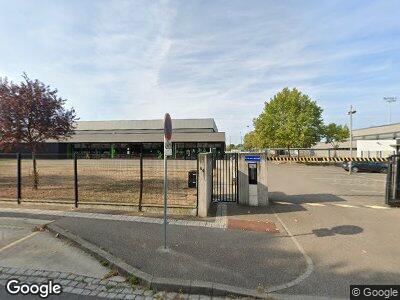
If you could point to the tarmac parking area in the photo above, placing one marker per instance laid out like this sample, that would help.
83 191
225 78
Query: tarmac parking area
325 185
343 224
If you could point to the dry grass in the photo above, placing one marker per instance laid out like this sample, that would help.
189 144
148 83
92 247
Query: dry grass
100 180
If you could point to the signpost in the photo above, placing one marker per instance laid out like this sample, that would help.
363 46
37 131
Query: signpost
255 158
167 152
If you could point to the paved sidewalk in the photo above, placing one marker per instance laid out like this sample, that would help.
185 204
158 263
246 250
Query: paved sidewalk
32 255
104 216
261 262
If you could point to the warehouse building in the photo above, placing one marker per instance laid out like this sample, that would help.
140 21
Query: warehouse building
376 141
130 138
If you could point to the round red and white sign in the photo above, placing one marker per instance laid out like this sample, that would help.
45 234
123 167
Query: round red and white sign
167 127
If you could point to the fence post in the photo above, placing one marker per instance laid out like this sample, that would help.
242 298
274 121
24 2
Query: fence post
197 185
141 182
76 179
19 178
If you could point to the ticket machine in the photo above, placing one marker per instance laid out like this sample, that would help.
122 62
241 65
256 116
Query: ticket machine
253 188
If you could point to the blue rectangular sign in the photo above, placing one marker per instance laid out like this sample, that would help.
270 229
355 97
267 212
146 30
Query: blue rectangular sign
252 158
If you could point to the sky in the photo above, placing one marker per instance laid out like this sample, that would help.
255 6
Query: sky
202 59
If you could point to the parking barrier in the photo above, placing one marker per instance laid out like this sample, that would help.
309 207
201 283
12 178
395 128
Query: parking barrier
324 159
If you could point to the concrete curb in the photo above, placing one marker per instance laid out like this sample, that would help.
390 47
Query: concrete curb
156 283
113 217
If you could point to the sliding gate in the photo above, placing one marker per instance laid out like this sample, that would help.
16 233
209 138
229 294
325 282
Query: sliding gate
225 174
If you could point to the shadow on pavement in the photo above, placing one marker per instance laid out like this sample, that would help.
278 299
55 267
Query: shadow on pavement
286 203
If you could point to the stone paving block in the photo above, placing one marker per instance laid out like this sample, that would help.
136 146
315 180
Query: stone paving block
102 294
138 292
94 293
86 292
112 295
67 289
77 291
30 272
73 283
55 274
81 285
71 276
148 293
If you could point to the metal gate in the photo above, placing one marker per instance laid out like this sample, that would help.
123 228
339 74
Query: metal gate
225 177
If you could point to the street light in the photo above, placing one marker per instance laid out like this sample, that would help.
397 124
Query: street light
390 100
350 113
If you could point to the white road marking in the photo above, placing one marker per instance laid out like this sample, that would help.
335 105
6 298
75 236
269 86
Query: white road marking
376 206
284 203
368 192
314 204
18 241
343 205
310 264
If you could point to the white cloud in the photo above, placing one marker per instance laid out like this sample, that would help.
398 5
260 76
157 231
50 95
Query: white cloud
138 59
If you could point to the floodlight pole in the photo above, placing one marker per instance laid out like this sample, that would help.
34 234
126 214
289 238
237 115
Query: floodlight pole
350 113
389 101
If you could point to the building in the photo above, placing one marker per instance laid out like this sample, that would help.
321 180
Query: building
376 141
130 138
383 132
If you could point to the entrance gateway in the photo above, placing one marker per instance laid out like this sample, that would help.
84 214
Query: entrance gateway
224 177
240 177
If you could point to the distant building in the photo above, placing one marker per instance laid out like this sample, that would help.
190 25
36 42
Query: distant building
383 132
129 138
375 141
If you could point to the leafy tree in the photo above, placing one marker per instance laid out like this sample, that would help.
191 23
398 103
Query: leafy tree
335 134
290 119
251 141
31 113
230 147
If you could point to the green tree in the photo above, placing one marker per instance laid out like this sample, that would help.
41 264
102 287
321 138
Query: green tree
251 141
290 119
230 147
335 134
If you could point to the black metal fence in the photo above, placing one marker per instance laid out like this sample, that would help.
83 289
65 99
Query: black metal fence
134 181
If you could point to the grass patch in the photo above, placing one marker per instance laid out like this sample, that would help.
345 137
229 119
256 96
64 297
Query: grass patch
132 280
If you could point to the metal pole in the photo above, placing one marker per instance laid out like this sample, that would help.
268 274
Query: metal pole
165 200
351 138
19 178
76 179
141 183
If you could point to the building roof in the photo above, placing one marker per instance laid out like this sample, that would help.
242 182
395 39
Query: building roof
157 124
343 145
146 138
145 131
378 132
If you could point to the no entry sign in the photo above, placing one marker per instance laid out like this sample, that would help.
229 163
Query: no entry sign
167 135
167 127
167 152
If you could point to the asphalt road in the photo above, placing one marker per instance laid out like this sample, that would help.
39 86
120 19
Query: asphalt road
342 223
